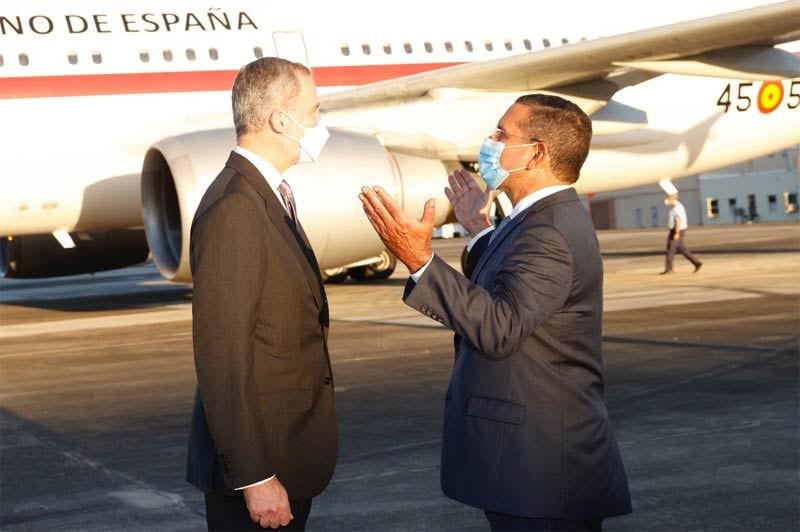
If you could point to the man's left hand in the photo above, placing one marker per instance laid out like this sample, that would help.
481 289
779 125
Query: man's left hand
408 239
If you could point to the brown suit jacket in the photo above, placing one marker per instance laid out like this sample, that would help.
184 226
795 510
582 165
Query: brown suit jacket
265 400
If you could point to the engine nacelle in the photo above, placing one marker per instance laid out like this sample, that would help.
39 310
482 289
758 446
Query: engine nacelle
177 171
32 256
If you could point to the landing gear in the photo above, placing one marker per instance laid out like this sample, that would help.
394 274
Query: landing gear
382 269
334 275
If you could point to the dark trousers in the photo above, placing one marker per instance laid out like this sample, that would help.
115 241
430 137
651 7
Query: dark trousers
228 513
679 246
515 523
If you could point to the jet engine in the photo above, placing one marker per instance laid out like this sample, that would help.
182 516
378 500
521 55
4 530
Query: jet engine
177 171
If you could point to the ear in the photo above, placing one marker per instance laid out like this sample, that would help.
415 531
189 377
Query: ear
278 121
541 154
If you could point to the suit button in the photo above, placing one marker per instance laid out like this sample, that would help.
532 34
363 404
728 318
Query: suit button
327 380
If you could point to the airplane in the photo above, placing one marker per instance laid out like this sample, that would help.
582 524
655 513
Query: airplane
116 116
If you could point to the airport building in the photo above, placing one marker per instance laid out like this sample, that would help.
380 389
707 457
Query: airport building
760 190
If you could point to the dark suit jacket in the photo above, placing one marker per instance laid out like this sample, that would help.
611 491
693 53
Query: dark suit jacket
526 431
265 401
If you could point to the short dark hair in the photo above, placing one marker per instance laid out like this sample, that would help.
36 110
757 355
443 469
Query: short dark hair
563 127
261 87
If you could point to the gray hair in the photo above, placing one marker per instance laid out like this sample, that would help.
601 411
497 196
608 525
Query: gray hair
261 87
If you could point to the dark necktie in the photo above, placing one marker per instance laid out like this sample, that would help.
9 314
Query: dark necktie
288 200
499 228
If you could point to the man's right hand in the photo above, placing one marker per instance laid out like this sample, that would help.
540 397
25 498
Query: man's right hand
268 504
470 203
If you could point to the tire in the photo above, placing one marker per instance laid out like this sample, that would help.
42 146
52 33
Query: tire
382 269
334 276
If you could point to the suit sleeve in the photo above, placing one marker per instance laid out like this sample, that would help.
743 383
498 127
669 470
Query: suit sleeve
533 282
228 266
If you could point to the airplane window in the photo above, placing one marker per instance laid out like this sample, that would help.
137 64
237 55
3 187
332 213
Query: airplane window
190 55
1 60
97 58
564 40
527 44
72 57
428 47
144 56
489 45
345 49
407 47
546 43
509 46
366 49
468 45
387 49
258 52
448 46
167 55
23 59
213 54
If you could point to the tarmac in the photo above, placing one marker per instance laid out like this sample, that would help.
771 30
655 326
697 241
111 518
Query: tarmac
702 386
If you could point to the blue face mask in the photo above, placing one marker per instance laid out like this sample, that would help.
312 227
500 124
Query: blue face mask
489 162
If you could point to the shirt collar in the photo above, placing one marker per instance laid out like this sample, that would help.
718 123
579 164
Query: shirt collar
265 168
532 198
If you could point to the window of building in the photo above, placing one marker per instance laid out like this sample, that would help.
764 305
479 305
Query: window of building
365 49
448 46
546 43
407 47
639 218
712 207
790 202
527 44
468 46
144 56
509 46
428 47
489 46
167 55
387 49
258 52
97 58
190 55
345 50
772 203
213 53
653 216
72 58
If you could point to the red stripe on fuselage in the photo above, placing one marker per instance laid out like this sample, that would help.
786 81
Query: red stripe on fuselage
212 80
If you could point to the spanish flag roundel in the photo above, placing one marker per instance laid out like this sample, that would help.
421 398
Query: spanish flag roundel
770 96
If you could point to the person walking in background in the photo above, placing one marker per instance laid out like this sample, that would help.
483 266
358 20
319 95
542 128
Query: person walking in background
676 239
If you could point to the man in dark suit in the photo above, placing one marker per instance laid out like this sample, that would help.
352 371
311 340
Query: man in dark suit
527 437
263 439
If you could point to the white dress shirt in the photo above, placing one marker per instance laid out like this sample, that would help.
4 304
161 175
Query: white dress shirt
270 173
678 211
523 204
273 179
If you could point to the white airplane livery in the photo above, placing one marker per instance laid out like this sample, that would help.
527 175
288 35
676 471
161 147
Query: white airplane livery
116 115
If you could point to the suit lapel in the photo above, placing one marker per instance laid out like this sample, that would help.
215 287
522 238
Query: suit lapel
297 240
559 197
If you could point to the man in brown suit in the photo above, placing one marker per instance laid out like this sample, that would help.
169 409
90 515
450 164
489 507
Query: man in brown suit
263 440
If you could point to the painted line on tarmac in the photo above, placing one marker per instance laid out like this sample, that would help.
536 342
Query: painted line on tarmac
175 337
102 322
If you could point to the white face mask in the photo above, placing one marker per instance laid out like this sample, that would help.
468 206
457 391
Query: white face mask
312 141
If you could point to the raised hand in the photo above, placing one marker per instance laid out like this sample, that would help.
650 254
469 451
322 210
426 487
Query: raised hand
470 203
408 239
